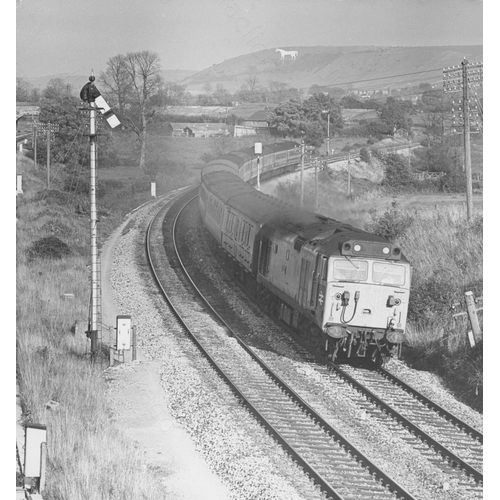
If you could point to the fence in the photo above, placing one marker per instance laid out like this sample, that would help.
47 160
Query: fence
471 314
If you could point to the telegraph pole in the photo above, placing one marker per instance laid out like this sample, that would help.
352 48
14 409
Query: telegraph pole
349 173
457 79
50 129
303 147
467 155
316 205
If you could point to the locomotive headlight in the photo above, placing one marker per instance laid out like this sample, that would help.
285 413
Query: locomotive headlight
386 250
396 337
337 332
357 248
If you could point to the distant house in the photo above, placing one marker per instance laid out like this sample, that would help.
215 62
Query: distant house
257 123
197 129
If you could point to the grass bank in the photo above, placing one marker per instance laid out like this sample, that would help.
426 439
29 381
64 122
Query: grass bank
88 457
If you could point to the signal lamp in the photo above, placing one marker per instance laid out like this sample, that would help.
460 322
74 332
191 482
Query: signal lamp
357 248
347 246
385 250
396 251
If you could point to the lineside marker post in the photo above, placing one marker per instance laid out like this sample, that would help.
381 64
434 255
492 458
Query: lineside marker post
258 152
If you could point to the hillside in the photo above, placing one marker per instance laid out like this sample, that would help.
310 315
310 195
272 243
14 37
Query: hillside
347 67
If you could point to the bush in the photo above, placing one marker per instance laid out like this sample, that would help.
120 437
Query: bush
53 196
392 224
49 247
364 155
453 182
397 172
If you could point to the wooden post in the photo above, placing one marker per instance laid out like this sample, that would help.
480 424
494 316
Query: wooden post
471 310
316 184
48 157
43 465
134 343
302 175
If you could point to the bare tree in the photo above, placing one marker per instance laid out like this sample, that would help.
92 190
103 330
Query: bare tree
134 80
116 80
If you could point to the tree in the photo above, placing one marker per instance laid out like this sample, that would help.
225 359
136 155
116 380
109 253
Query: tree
395 113
23 90
174 93
397 172
117 82
134 80
56 88
308 118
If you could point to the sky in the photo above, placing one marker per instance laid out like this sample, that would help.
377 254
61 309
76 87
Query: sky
73 37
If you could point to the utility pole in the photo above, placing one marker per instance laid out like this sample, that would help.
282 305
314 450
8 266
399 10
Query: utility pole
327 132
467 155
349 173
34 139
457 79
316 206
303 147
49 129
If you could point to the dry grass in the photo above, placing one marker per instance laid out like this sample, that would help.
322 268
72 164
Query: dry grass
88 457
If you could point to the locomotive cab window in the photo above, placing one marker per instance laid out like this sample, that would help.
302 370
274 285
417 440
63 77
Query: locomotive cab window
388 274
350 270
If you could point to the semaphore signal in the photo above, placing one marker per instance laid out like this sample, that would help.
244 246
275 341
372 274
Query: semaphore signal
92 96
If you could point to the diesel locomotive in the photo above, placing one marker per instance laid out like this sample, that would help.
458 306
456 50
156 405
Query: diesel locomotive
343 290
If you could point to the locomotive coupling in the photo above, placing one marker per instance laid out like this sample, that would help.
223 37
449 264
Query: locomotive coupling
346 296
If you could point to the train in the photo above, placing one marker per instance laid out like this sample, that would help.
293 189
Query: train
343 290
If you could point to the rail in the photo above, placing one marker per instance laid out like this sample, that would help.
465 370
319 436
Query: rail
270 426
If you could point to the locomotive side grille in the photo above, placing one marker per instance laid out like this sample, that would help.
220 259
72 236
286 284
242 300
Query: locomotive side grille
265 257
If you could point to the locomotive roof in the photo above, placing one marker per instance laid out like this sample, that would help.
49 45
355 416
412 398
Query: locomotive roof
243 155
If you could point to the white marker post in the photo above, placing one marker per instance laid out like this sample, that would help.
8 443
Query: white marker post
258 152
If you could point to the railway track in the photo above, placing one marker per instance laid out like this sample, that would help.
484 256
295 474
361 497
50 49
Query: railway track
335 464
449 442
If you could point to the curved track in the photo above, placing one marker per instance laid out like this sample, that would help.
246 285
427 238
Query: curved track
457 442
341 471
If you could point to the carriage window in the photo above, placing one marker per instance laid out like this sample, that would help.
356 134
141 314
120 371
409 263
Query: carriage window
350 270
388 274
288 255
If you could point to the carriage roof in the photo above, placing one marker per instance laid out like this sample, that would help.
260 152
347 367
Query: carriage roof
325 234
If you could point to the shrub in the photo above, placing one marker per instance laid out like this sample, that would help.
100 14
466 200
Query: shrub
364 155
49 247
453 182
397 172
392 224
52 196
